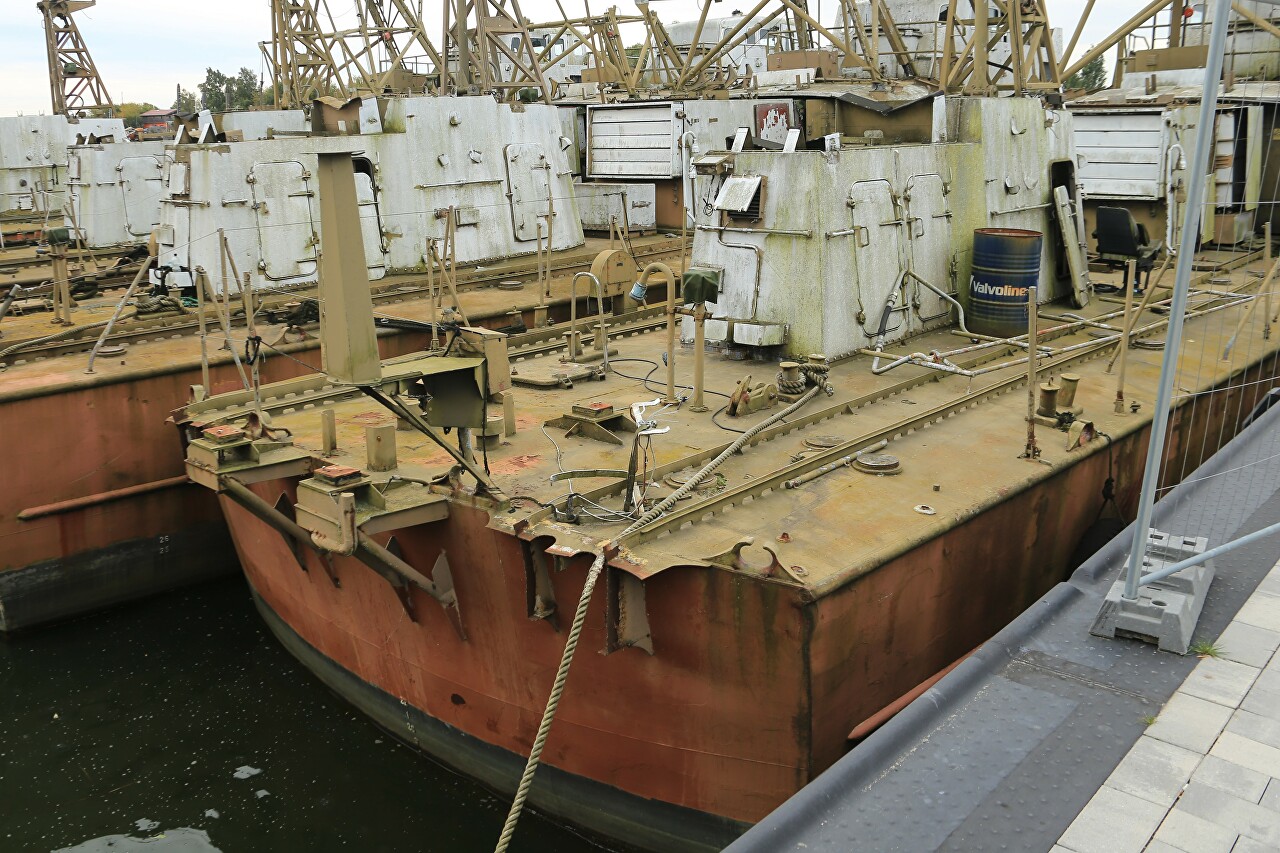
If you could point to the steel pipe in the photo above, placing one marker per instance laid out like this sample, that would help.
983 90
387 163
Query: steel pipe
106 331
1249 538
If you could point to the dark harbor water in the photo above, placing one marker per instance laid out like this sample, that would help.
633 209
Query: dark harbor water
178 724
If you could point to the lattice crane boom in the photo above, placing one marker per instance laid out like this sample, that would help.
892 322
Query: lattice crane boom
74 82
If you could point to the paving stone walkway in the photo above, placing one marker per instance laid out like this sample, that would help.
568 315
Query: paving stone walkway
1205 777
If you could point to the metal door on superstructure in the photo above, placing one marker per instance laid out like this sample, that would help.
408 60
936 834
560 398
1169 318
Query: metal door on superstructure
375 252
876 242
928 231
286 225
141 187
528 179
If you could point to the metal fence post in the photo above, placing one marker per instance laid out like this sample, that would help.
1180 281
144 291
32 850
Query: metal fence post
1181 286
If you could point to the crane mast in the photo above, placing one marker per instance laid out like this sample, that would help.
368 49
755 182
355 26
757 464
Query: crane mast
74 82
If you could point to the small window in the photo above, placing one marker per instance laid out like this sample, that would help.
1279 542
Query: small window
515 42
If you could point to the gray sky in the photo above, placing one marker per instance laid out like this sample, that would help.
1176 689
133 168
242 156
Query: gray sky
144 48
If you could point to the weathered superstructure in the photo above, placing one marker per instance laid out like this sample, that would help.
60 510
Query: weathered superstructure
34 155
498 171
828 251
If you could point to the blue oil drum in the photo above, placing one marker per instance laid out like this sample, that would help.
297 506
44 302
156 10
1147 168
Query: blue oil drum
1006 262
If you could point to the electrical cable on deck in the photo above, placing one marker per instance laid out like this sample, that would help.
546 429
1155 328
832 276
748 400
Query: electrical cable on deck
738 443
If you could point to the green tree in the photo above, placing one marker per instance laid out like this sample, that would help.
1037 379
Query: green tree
245 91
186 102
221 92
1091 77
213 91
131 110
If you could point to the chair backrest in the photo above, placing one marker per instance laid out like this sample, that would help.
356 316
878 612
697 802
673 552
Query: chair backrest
1117 232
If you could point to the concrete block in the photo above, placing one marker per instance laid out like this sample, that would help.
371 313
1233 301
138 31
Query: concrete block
1190 722
1222 681
1160 614
1162 545
1161 847
1154 770
1255 727
715 330
1248 644
1263 701
1233 814
1271 583
759 334
1271 797
1247 753
1250 845
1113 822
1231 778
1184 831
1261 610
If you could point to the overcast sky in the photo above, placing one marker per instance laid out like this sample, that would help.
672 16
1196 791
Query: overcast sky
144 48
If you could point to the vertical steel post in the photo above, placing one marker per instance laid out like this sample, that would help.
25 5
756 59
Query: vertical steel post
348 340
1266 253
1127 327
699 356
1033 352
1181 287
251 329
204 337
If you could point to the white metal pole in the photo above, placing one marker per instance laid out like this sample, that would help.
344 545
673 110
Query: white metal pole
1181 286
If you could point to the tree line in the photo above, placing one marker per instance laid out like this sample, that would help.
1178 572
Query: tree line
218 93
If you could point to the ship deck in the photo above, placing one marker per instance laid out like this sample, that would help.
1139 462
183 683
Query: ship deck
1006 750
165 341
960 443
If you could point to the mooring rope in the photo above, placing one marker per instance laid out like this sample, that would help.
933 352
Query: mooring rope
553 702
48 339
593 574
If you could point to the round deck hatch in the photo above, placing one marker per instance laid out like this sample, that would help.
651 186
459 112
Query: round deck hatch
877 463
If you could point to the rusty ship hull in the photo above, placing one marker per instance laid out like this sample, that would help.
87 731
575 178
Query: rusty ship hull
755 684
112 517
419 530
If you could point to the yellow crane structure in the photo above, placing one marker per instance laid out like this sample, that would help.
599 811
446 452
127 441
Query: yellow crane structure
74 83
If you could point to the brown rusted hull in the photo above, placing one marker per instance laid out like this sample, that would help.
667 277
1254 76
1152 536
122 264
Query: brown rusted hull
96 510
754 685
92 513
